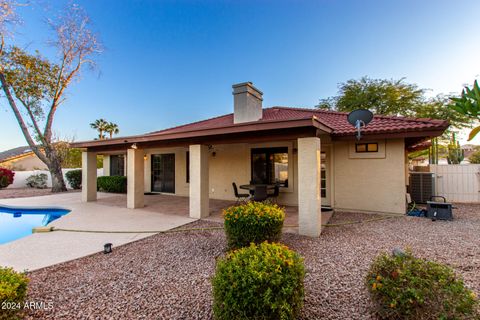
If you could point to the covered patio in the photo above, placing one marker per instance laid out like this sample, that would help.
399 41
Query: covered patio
179 205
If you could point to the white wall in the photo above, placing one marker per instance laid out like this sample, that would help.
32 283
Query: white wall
20 179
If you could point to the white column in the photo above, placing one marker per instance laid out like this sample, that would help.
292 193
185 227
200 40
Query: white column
199 181
89 176
309 196
135 179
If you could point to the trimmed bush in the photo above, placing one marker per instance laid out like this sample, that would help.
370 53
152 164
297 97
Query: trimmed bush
114 184
38 181
6 177
253 222
74 178
405 287
262 281
13 291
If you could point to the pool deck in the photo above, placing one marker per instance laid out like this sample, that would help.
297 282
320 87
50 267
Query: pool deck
45 249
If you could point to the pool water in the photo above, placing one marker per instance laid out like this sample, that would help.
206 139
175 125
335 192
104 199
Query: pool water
17 223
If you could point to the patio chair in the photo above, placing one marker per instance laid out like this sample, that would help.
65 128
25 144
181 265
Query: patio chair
241 197
275 194
260 193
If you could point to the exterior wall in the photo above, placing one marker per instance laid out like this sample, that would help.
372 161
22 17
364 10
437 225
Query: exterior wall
373 183
231 163
27 163
181 185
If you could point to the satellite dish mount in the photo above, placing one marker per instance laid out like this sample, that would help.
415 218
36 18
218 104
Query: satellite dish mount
360 118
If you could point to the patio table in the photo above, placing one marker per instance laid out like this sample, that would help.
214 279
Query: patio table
251 187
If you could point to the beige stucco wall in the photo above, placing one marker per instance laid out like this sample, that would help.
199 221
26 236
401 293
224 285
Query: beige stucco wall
31 162
354 182
231 163
370 184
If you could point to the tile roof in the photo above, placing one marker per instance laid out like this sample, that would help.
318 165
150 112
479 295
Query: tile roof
15 152
337 121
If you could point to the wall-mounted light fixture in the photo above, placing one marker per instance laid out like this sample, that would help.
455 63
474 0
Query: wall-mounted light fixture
134 146
212 150
145 157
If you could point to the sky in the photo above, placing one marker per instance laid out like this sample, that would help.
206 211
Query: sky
167 63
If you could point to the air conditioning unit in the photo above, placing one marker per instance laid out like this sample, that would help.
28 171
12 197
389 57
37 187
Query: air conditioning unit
422 186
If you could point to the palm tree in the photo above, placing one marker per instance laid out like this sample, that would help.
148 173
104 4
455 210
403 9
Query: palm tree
112 128
101 126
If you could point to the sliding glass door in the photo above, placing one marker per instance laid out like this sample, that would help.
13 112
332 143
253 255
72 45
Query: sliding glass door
163 173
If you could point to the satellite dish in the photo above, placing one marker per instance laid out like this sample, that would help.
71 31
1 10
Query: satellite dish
359 118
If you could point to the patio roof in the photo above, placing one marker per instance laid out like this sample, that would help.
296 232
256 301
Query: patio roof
305 121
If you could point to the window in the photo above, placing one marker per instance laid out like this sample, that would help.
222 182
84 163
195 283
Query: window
270 166
117 165
188 166
366 147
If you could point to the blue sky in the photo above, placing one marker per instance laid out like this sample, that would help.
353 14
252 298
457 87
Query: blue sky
170 62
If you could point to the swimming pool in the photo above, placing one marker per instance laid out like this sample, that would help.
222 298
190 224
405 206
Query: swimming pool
17 222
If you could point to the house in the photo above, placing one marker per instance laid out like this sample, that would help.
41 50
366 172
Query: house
312 153
21 159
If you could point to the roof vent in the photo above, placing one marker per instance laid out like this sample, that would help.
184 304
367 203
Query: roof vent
247 103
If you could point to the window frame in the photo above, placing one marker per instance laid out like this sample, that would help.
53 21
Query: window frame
268 151
367 147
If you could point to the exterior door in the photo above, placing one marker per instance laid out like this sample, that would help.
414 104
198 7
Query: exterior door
163 173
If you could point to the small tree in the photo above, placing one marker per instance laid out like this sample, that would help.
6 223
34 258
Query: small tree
35 86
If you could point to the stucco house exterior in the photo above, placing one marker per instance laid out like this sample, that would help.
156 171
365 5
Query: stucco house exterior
313 154
21 159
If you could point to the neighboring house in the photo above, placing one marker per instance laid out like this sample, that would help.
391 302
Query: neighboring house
312 153
21 159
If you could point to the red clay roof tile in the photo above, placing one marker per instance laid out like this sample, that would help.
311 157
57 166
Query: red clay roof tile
337 121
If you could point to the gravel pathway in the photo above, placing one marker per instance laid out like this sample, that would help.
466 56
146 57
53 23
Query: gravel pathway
167 276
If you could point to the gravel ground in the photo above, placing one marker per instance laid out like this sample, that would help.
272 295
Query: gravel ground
26 192
167 276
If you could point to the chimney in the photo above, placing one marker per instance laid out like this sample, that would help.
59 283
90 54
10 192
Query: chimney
247 103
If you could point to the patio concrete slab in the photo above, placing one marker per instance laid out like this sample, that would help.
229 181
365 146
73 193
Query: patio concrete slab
44 249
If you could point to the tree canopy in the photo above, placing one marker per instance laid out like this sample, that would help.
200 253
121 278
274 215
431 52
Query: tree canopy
392 97
34 86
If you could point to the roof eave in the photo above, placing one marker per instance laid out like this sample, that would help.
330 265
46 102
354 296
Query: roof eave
235 128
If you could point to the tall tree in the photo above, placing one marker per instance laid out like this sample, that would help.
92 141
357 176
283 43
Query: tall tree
112 128
35 86
392 97
101 126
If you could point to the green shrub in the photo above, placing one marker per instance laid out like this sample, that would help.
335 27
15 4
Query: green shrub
405 287
38 181
253 222
262 281
13 290
74 178
115 184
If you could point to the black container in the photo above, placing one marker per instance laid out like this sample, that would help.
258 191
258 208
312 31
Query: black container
439 210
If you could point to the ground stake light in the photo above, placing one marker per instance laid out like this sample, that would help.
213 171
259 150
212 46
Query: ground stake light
107 248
